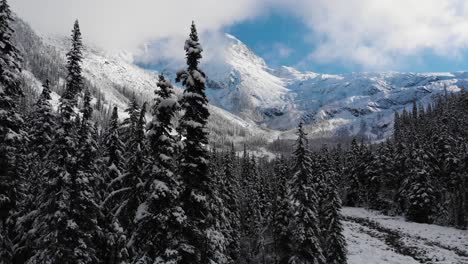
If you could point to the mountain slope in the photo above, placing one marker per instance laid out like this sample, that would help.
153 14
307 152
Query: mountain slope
114 79
355 104
249 99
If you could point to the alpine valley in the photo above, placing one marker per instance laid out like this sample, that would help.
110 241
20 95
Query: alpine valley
248 99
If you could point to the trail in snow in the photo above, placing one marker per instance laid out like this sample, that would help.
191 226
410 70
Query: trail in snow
374 238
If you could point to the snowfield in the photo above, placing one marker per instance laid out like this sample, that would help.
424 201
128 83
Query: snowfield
376 238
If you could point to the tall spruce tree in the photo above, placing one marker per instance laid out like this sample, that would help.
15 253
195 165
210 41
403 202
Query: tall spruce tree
335 244
420 192
115 149
158 229
305 226
74 58
11 122
196 197
84 204
282 213
63 233
128 191
42 123
228 191
41 133
353 171
129 124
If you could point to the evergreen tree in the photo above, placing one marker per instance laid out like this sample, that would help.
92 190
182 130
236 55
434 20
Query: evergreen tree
115 149
282 213
126 193
129 190
11 122
305 223
196 195
229 188
74 58
335 244
84 204
41 133
64 228
420 192
129 124
320 180
354 170
158 228
42 124
115 166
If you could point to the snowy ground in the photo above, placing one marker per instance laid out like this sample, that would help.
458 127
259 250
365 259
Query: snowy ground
374 238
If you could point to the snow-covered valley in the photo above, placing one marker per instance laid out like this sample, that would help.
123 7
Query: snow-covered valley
380 239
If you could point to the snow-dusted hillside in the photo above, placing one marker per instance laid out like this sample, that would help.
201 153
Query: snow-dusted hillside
254 100
117 78
359 103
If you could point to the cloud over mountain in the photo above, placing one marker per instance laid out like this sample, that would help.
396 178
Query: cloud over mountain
371 34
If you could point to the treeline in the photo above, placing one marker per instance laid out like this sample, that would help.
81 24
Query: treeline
135 191
422 172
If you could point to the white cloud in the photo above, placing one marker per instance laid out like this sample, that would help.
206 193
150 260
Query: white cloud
127 24
379 33
282 50
375 34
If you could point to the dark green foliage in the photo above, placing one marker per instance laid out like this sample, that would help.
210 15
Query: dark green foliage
305 223
282 213
11 131
334 246
196 196
161 219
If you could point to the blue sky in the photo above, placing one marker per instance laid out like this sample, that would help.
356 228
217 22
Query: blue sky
268 34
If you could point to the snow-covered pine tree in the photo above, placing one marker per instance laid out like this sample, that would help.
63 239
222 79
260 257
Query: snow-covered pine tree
253 222
377 172
353 169
419 190
161 218
41 133
63 236
115 166
305 231
74 58
218 207
115 149
282 213
322 173
335 243
196 195
129 123
128 191
11 122
84 195
247 212
369 178
42 123
229 192
334 247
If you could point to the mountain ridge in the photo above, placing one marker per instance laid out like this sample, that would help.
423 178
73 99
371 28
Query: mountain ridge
270 102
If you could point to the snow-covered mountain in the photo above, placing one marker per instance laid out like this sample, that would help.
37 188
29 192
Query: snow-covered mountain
116 78
357 103
254 100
